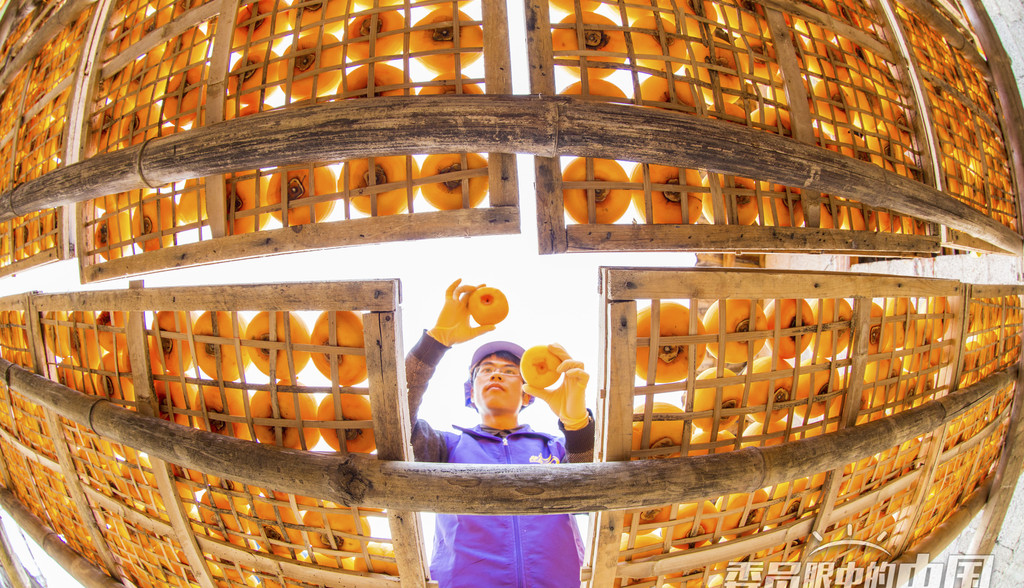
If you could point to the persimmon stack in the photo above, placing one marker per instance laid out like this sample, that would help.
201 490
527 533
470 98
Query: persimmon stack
784 358
280 56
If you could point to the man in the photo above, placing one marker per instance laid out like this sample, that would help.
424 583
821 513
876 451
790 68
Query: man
500 551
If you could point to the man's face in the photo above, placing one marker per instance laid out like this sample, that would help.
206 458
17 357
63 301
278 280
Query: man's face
497 387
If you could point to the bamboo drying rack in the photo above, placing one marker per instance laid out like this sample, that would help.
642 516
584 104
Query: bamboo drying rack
924 449
135 144
895 439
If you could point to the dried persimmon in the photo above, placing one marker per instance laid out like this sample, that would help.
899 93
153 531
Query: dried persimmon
609 203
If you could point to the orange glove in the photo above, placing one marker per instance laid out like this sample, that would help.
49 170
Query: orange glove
568 399
453 324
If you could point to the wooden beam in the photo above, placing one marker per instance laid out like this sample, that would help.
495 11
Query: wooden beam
649 283
528 489
614 440
356 295
545 125
744 239
400 227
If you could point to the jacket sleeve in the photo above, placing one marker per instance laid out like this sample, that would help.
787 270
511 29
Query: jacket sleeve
428 444
580 444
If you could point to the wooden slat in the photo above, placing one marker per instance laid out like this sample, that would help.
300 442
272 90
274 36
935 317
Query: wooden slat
216 89
736 549
837 25
392 426
501 167
796 98
270 564
33 109
922 120
860 327
339 130
48 256
615 438
86 74
937 439
87 78
647 283
138 353
160 35
28 453
73 483
402 227
15 572
611 131
978 437
935 543
744 239
373 295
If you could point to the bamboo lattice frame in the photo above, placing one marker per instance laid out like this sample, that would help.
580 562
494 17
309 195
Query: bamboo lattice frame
135 486
288 57
149 536
34 107
880 347
870 95
134 102
173 518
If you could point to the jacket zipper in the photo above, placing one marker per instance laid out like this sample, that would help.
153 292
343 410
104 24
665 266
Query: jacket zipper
520 581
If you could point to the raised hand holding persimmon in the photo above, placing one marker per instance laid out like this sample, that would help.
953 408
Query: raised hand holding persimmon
568 399
453 325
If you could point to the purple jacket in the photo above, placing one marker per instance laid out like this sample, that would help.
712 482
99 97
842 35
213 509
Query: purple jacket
535 551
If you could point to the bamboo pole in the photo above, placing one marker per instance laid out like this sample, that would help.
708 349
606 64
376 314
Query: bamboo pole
80 568
547 126
459 488
1004 481
16 573
936 542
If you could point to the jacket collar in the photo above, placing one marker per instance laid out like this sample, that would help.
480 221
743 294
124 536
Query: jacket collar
524 429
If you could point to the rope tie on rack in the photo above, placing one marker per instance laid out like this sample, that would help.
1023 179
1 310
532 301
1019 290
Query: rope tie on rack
138 166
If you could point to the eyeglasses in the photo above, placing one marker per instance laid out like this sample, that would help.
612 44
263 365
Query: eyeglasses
488 370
